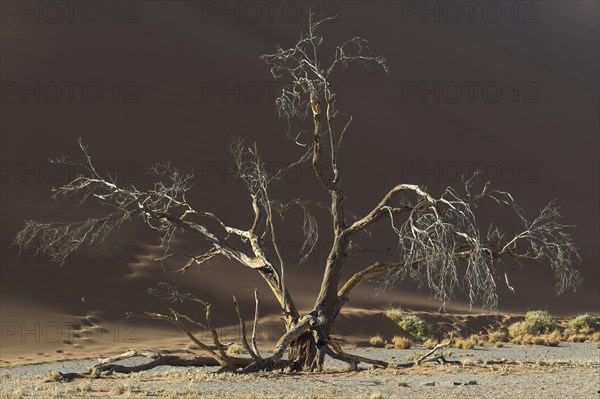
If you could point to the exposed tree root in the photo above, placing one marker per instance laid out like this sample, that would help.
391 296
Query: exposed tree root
106 366
337 353
255 363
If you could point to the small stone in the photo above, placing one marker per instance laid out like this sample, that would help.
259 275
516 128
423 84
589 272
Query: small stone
428 384
470 382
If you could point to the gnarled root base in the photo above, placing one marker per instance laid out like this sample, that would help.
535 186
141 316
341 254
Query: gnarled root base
304 357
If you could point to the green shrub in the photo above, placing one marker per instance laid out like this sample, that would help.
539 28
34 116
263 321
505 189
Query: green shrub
583 322
539 322
394 314
409 323
416 326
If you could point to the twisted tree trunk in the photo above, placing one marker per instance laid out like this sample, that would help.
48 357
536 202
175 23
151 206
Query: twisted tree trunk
302 353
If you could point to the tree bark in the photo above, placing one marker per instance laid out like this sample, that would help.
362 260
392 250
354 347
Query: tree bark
302 353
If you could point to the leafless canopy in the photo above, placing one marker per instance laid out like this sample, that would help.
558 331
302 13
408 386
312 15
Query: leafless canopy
439 242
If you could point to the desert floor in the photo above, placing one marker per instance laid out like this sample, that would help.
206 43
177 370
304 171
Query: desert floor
571 370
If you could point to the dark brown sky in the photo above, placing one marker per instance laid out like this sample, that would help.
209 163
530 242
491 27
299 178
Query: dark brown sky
170 75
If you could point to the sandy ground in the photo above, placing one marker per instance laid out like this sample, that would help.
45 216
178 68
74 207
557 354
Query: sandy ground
567 371
34 336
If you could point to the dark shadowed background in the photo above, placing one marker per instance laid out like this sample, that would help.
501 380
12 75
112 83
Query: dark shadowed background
508 88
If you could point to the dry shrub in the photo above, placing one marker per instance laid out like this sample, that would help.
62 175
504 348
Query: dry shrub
478 339
568 333
377 341
553 338
235 349
496 336
499 344
529 339
583 323
465 343
430 343
538 340
402 343
517 332
577 338
376 395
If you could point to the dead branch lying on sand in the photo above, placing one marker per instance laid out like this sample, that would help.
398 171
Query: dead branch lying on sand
220 358
107 366
439 358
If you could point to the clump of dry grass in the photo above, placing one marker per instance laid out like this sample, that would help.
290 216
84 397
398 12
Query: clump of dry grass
499 344
550 339
496 336
119 389
414 356
401 342
235 349
377 341
402 383
84 387
468 343
430 343
478 339
553 338
15 393
577 337
376 395
517 331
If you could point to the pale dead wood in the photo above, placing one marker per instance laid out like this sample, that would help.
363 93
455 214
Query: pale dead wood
255 325
438 347
353 360
440 244
250 350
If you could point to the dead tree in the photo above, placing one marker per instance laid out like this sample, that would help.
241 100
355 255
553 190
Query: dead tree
439 242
